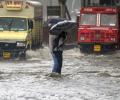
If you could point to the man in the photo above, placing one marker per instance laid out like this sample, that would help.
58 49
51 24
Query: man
56 43
57 37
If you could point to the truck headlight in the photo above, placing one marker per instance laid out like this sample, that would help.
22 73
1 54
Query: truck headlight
20 44
82 38
113 39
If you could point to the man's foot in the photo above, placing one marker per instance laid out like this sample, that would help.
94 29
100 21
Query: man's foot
54 74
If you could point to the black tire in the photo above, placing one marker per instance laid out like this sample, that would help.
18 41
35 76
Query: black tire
22 55
108 48
85 49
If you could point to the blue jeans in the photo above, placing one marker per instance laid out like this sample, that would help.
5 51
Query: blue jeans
57 58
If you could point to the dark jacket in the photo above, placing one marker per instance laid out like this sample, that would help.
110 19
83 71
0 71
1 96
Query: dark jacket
56 42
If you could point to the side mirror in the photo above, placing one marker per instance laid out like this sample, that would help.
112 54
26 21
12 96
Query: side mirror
30 24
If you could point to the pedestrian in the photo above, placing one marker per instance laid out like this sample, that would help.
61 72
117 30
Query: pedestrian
57 37
56 43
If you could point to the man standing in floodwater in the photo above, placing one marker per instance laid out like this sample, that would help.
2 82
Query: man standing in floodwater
57 36
56 43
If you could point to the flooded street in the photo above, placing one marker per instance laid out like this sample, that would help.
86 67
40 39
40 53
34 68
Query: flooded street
84 77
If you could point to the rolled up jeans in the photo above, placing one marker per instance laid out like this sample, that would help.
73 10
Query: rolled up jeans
57 59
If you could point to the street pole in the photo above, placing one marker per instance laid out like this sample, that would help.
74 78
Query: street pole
64 10
62 4
50 2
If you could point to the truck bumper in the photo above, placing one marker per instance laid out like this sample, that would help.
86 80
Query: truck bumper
10 50
97 47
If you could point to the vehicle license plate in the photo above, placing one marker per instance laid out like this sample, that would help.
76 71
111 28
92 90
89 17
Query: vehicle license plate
97 48
6 55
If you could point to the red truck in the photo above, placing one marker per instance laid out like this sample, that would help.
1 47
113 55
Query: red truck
99 29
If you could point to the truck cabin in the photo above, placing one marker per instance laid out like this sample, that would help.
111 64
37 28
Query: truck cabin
13 24
98 25
101 17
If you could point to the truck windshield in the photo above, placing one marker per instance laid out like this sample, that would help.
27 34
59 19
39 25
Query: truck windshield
108 19
13 24
88 19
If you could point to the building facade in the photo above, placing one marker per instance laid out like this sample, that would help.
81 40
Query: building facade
72 5
100 2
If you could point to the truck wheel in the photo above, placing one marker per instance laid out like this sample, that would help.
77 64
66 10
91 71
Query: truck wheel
85 49
22 55
108 48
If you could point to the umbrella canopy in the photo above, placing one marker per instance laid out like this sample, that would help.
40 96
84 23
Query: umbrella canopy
62 26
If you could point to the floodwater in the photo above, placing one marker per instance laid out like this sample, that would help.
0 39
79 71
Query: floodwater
84 77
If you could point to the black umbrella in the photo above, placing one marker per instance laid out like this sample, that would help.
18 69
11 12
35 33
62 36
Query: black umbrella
62 26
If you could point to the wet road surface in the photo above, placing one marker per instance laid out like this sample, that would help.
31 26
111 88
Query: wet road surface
84 77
